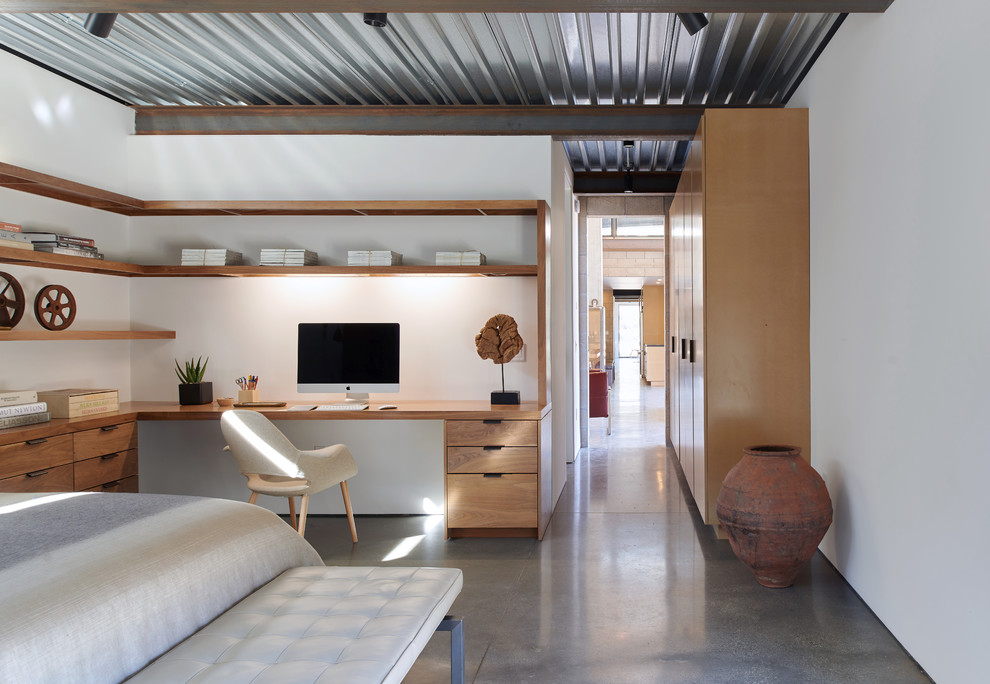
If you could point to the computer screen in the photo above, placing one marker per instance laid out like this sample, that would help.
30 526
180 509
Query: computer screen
356 358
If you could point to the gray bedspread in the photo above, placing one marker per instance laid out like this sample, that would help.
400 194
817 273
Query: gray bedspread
93 586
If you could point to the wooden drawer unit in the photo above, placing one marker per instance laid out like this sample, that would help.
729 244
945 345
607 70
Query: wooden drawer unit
128 484
492 433
57 479
493 477
105 440
93 472
494 500
491 459
35 454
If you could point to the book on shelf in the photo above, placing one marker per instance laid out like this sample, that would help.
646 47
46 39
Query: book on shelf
12 227
40 236
26 419
288 257
211 257
22 409
373 257
68 250
15 244
470 257
14 397
41 244
14 235
74 403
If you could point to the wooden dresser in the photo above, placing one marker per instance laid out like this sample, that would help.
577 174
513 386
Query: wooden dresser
68 456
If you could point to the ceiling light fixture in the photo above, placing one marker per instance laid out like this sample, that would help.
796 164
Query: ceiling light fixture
100 24
627 180
693 21
376 19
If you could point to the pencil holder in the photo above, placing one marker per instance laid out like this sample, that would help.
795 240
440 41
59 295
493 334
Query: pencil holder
244 396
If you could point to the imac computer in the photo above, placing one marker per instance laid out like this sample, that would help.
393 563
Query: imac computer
354 358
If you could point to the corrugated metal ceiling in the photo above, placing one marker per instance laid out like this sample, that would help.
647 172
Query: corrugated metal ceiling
437 59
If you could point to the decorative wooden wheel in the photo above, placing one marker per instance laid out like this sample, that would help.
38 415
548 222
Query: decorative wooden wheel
55 307
11 301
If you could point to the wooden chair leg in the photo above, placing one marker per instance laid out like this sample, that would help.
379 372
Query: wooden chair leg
302 515
347 507
254 497
292 512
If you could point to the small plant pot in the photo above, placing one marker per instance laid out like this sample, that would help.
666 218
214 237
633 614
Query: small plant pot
195 393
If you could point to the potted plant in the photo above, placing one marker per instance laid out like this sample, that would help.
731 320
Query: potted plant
192 389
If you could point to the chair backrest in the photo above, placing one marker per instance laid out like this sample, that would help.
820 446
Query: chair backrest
597 394
259 447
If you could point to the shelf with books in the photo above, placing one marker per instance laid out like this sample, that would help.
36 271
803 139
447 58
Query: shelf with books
49 335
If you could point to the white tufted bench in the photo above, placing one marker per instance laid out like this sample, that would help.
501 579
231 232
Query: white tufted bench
317 625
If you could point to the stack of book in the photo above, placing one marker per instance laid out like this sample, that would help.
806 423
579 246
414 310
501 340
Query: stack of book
11 236
373 257
75 403
288 257
21 407
59 243
470 257
211 257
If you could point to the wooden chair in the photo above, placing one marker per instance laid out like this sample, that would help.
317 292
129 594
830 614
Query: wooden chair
273 466
598 395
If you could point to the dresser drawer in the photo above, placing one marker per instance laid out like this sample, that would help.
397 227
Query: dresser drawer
36 454
105 440
128 484
107 468
492 433
481 501
473 459
58 479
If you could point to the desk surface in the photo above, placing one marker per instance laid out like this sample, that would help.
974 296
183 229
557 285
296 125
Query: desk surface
166 411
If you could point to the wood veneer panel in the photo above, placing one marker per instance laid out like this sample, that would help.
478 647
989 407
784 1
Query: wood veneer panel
93 472
481 433
58 479
503 460
53 335
16 459
479 501
105 440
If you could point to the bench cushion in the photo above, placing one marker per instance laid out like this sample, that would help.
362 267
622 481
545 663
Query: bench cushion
317 625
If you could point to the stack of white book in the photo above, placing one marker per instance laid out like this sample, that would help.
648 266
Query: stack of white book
21 407
470 257
373 257
211 257
288 257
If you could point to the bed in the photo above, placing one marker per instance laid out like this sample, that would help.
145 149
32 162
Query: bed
93 586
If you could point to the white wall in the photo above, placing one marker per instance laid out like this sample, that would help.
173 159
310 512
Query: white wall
900 331
47 124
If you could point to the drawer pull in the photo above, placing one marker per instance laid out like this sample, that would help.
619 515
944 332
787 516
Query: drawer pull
491 448
493 475
40 440
107 457
108 428
37 473
110 485
492 421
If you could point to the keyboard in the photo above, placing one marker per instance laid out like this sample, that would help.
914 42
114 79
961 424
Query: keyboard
341 407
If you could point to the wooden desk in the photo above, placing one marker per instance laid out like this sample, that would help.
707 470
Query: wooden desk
496 459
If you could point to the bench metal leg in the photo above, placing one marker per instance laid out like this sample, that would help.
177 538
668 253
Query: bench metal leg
455 625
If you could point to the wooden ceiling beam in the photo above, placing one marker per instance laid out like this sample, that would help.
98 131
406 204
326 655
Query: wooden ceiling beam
439 6
563 122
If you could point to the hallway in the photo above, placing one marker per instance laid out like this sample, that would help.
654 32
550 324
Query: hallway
628 585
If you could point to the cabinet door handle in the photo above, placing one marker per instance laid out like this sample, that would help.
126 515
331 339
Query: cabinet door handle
107 457
673 344
493 475
492 421
691 351
491 448
37 473
683 349
108 428
40 440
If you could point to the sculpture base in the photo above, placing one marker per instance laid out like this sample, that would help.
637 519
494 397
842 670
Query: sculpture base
510 397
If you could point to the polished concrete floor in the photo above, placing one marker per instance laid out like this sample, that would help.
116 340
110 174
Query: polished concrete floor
628 585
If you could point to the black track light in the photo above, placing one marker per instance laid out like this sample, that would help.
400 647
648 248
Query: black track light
376 19
100 24
693 21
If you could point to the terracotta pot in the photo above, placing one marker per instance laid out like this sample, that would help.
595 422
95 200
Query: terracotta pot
775 509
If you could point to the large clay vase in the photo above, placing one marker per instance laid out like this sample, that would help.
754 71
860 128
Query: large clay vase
775 509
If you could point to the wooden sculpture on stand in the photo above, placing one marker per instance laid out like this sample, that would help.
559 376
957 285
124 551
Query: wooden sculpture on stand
500 341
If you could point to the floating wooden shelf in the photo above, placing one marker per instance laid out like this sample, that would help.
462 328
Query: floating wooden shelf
25 257
46 335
